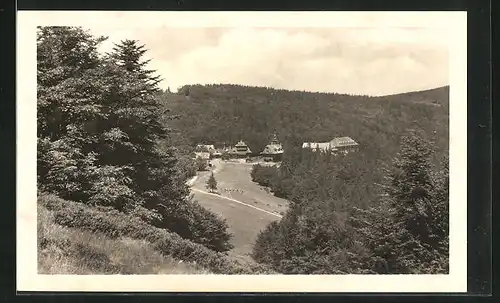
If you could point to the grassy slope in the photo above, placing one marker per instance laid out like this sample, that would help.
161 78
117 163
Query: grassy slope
64 250
236 179
76 238
244 222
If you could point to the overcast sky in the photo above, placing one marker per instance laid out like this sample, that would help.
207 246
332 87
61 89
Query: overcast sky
372 61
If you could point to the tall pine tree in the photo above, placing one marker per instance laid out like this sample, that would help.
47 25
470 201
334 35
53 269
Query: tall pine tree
101 138
212 183
407 231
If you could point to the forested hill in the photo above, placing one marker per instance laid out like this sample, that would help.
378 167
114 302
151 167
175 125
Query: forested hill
227 113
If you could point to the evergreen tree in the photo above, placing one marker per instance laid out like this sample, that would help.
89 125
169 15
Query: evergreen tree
212 183
70 90
129 55
407 230
102 140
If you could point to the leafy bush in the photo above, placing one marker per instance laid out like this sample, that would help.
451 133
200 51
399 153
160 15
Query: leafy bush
192 221
186 167
225 156
201 164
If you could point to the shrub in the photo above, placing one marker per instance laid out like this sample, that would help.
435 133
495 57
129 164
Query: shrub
201 165
115 224
194 222
186 167
64 250
225 156
263 175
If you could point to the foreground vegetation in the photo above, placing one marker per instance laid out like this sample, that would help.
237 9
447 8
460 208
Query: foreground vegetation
115 225
64 250
103 140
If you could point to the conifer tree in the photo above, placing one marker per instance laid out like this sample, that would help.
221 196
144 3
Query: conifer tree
406 231
139 130
212 183
70 93
100 134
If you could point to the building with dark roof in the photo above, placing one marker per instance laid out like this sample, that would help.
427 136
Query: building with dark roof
240 150
274 150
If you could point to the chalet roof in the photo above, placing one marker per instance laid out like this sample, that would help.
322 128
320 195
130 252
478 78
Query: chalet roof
241 148
274 139
343 141
240 143
273 149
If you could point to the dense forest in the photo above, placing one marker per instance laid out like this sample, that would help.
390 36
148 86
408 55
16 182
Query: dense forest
346 211
114 155
353 214
221 114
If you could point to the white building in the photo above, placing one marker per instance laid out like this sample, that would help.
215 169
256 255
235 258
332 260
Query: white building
340 144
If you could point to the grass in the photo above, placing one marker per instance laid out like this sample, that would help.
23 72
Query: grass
244 222
63 250
80 238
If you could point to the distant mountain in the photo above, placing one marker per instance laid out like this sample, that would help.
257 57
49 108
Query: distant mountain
225 114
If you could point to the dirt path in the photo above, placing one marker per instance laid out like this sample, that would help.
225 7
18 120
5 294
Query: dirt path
234 200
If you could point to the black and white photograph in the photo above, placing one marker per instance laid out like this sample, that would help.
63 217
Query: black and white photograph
266 147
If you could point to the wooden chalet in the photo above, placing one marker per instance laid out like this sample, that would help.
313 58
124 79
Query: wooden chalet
240 150
273 151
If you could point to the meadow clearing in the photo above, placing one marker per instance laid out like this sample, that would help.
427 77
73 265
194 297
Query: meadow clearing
257 207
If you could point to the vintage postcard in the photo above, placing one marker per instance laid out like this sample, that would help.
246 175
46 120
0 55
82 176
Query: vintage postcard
242 151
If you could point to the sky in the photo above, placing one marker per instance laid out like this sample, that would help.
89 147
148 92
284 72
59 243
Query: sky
353 60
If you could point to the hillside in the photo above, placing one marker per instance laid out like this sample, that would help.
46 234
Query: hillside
64 250
227 113
77 239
